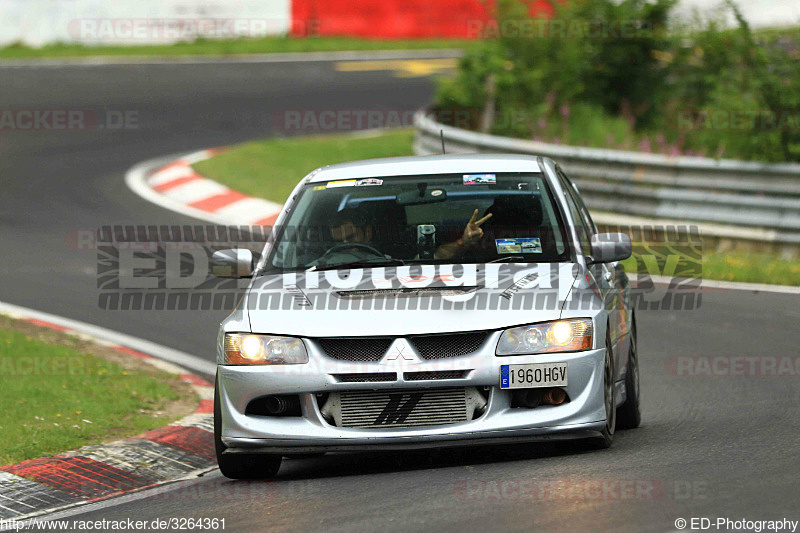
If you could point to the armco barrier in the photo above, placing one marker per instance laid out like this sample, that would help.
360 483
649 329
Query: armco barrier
727 199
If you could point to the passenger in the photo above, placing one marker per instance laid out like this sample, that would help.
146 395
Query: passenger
351 228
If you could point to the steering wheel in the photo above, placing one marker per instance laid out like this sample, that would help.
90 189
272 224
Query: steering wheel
349 245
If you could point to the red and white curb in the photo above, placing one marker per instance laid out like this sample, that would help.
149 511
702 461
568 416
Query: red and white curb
178 187
179 450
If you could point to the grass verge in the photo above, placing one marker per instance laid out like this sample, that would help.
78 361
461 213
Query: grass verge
223 47
60 393
271 168
734 265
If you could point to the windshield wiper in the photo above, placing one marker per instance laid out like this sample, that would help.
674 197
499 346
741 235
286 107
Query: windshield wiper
360 263
509 259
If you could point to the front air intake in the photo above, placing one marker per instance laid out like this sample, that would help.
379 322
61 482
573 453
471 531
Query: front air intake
402 408
448 345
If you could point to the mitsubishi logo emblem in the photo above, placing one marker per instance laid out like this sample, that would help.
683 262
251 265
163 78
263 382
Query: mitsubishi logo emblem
400 350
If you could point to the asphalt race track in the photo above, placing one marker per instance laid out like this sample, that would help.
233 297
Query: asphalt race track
709 446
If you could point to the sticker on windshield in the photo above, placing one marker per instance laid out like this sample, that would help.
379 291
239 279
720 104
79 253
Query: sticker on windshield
369 181
341 183
480 179
319 187
525 245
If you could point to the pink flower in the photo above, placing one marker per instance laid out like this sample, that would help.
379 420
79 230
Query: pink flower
542 123
644 146
564 110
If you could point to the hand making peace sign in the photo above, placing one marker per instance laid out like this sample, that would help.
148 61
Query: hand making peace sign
473 232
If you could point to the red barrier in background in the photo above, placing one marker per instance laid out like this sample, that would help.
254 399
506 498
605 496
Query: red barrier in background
395 19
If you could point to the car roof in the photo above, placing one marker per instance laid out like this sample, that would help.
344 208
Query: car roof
428 164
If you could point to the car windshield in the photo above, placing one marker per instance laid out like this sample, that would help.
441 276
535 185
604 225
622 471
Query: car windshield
450 218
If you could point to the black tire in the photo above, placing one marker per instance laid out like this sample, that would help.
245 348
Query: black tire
610 401
629 414
241 466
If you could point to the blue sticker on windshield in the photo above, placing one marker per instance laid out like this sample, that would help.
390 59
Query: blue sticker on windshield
480 179
525 245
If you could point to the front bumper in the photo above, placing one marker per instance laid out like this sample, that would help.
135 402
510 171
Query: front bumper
582 416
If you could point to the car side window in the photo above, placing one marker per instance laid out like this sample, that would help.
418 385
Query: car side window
583 230
573 191
587 218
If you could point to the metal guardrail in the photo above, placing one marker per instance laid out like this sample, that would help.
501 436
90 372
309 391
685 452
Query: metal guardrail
741 199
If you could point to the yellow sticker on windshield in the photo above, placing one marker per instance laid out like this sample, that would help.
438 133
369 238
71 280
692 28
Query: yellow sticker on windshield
341 183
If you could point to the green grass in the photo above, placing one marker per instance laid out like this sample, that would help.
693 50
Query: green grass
57 397
735 265
270 168
222 47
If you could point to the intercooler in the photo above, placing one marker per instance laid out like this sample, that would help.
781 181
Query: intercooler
403 408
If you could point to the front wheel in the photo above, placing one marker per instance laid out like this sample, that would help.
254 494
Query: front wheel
609 400
629 414
240 466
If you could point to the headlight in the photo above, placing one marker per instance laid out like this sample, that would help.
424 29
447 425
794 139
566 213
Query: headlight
247 349
568 335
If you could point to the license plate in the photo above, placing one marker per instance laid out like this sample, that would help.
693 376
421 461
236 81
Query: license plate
533 375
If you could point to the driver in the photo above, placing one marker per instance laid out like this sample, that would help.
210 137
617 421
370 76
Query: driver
349 229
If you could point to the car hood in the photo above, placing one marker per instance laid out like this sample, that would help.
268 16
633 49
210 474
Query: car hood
408 300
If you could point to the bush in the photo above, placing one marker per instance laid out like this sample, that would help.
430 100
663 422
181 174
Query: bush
711 90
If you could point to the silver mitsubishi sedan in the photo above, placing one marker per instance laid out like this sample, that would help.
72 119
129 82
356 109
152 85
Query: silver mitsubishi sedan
422 302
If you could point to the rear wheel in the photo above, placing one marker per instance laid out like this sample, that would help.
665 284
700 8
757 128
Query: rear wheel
629 414
609 400
240 466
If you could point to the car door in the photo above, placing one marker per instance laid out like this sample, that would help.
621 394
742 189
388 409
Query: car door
610 277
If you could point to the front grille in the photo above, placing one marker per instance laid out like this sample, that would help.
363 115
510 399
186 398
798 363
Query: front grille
403 408
449 345
354 349
435 374
366 377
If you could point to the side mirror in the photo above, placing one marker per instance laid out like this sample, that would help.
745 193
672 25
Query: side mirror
610 247
238 263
